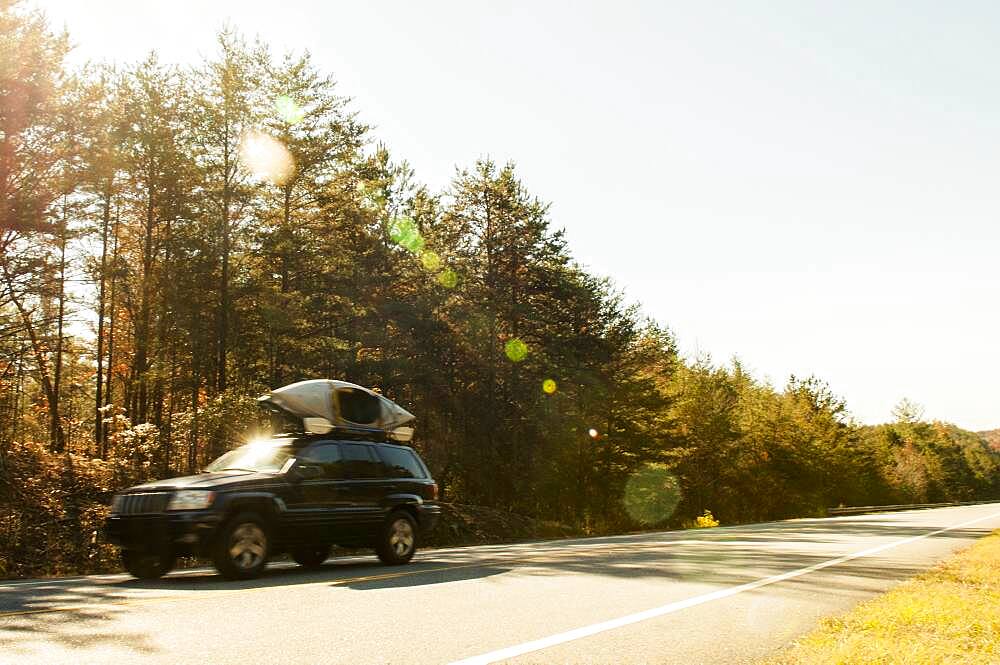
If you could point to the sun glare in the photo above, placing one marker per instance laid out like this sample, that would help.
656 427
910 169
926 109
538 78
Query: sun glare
267 158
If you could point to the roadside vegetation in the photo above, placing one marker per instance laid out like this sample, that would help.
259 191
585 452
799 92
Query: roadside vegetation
704 521
174 241
950 614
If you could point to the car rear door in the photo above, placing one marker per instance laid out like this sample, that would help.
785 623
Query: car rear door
362 467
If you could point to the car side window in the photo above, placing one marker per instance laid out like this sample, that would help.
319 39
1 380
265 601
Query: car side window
400 463
328 457
360 461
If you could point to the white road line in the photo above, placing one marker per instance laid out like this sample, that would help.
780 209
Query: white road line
587 631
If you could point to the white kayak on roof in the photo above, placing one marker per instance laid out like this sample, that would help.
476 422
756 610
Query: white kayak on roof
325 404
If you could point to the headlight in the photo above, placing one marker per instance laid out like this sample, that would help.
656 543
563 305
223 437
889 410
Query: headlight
116 504
191 500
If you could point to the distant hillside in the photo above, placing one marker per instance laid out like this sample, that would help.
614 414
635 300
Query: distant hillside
992 437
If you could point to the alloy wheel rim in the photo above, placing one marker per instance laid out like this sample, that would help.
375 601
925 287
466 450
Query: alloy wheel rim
401 537
247 546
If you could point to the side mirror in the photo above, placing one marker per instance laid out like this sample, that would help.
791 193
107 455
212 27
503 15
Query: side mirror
300 472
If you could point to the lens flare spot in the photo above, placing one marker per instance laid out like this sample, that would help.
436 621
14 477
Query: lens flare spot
651 494
516 349
288 110
548 386
593 433
266 158
431 261
404 232
447 278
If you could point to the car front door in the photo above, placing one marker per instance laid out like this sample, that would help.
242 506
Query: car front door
320 497
362 466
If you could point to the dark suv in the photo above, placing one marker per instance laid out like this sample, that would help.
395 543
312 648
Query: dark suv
298 494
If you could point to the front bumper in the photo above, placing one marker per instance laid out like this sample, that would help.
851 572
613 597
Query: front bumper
428 514
183 532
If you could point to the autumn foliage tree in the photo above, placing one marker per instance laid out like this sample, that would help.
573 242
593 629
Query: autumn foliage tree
174 241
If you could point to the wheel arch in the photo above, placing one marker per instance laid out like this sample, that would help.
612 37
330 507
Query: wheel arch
407 502
267 505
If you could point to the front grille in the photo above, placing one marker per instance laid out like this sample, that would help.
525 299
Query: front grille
144 504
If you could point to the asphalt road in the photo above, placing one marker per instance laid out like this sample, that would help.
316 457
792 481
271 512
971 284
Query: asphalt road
724 595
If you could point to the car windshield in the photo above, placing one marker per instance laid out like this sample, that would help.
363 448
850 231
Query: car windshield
253 457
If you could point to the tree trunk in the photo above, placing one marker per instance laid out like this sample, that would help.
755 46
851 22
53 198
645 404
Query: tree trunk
223 332
161 334
491 409
141 363
109 385
58 437
193 443
102 276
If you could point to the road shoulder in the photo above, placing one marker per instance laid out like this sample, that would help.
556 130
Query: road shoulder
948 614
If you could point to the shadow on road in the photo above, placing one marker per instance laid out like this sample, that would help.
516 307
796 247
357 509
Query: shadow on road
54 612
429 578
85 621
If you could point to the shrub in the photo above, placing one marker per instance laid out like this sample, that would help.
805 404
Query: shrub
704 521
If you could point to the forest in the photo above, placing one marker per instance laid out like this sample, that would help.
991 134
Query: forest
176 241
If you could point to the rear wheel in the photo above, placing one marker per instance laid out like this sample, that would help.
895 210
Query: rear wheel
398 540
147 565
242 547
311 556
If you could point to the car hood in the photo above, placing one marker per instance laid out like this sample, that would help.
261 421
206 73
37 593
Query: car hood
215 480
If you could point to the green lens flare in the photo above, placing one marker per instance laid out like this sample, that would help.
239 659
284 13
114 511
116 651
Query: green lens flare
651 494
516 350
431 261
447 278
288 110
548 386
404 232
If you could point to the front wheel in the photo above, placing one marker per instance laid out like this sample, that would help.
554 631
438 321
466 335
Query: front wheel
242 547
398 539
147 565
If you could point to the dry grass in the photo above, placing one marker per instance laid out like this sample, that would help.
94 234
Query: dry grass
950 614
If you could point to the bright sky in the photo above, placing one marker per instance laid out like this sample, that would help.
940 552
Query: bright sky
810 186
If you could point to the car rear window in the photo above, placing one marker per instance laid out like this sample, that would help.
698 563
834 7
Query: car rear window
401 463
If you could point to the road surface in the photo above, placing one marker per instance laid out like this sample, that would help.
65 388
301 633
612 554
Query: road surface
724 595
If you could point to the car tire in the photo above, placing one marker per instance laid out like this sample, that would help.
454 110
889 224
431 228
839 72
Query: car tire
397 541
147 565
242 547
311 556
